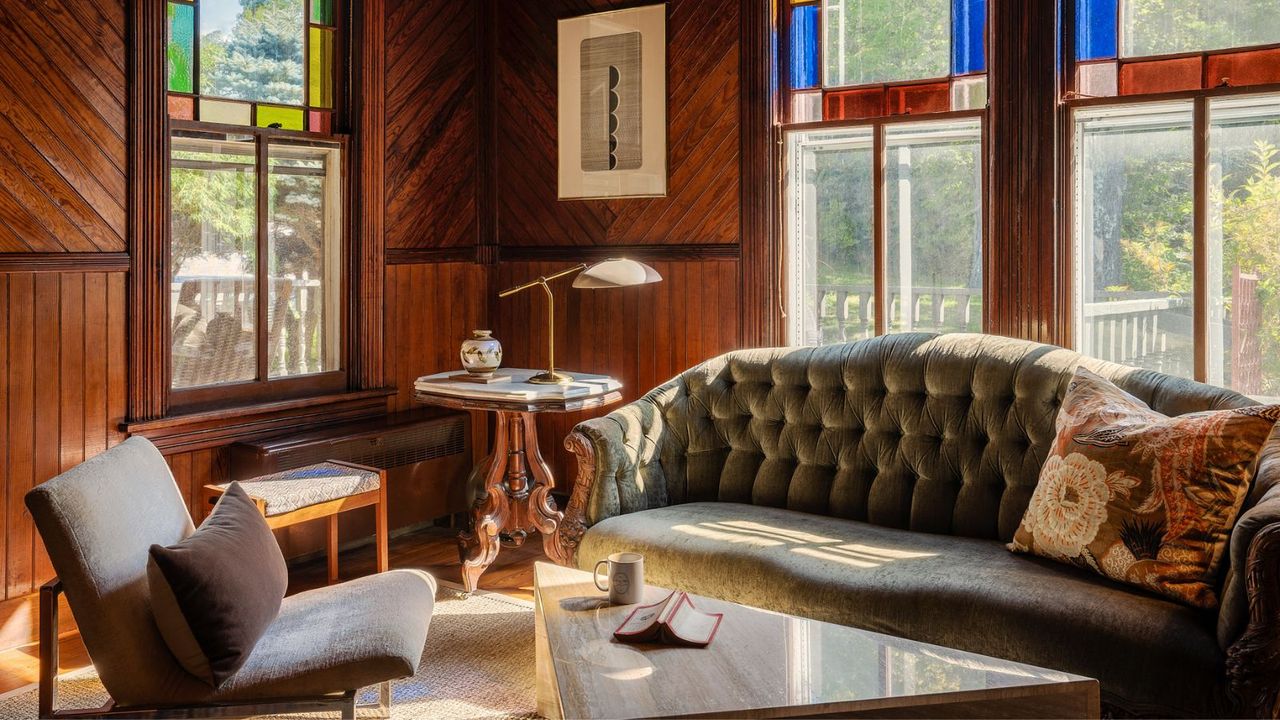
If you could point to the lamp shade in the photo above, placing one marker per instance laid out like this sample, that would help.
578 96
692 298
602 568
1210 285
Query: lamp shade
616 273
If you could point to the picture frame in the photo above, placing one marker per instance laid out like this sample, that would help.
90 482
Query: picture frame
612 107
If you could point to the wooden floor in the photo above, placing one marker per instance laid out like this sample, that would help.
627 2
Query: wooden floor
434 550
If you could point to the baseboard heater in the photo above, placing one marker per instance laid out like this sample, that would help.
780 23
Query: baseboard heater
426 454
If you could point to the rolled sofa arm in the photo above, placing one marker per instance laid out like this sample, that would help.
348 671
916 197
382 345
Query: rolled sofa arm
620 467
1253 658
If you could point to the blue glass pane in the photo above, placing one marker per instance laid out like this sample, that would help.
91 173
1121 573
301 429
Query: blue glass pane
1095 29
804 46
968 31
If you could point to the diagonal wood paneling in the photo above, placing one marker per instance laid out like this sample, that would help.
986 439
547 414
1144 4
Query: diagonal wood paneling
62 126
703 140
432 135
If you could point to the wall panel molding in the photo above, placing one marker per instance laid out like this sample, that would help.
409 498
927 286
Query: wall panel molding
366 249
646 253
64 262
418 256
763 323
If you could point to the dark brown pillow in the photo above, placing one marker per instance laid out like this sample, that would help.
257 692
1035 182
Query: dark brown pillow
215 593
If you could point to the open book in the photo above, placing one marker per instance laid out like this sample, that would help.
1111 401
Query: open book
673 620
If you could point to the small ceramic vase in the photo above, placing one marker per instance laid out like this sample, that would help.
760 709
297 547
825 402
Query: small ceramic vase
481 354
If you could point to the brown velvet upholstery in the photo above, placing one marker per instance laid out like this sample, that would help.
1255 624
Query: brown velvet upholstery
932 434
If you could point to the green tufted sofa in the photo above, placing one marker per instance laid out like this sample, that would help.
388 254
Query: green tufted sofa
875 483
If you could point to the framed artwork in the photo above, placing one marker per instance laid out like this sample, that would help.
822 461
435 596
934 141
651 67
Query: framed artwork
613 104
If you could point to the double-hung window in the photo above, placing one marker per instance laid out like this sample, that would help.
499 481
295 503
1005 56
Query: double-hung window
883 174
257 197
1175 187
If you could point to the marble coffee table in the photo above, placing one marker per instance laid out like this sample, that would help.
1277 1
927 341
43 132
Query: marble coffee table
765 664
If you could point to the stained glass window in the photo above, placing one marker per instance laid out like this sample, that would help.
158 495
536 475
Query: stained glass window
268 63
1140 47
910 56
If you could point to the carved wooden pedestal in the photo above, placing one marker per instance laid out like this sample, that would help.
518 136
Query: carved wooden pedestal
517 481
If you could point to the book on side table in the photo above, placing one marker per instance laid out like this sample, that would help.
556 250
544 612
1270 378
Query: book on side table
673 620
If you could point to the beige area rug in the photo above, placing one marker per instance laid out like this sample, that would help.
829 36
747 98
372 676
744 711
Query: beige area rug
478 663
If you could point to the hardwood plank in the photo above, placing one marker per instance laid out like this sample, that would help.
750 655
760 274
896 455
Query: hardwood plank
6 346
21 380
48 384
117 371
95 364
73 353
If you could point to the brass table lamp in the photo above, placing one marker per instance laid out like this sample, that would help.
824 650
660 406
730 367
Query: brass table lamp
611 273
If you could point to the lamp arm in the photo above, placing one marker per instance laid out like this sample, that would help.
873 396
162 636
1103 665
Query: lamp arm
551 328
543 280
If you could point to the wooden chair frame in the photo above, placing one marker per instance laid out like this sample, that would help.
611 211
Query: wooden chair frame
344 702
329 510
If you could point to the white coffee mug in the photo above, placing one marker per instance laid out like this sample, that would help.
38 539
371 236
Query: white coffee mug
626 577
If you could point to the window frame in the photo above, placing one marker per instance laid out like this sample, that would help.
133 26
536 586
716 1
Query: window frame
1070 101
880 200
263 388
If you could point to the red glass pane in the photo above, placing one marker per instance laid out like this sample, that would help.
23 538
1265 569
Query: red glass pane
1243 68
182 108
853 104
919 99
321 122
1158 76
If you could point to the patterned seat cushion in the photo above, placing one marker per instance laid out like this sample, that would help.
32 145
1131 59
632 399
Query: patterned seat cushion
290 490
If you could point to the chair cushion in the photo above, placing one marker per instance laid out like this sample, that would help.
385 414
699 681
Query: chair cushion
965 593
215 593
290 490
340 637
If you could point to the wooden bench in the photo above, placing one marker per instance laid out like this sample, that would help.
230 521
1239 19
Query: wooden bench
318 491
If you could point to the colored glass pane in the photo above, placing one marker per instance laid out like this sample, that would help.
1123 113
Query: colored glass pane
322 12
226 112
1244 68
180 47
320 69
283 118
182 107
969 93
968 36
806 107
252 50
853 104
321 122
1158 76
804 46
1095 29
1164 27
885 41
917 99
1097 79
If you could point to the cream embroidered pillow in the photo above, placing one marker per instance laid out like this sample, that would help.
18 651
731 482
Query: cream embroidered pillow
1139 497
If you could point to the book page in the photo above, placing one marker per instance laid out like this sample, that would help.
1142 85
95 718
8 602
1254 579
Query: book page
644 617
693 625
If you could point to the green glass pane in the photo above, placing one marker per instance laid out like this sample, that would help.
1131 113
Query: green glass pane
320 71
322 12
280 117
180 47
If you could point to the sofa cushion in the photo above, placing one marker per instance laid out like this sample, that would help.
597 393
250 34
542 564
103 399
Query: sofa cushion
965 593
1141 497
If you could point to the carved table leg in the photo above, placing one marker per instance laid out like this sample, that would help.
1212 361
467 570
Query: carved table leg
478 547
517 499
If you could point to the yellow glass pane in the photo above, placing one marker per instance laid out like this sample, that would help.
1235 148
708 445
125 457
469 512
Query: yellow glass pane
320 68
285 118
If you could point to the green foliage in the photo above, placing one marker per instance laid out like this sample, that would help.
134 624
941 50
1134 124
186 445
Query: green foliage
1158 27
885 40
261 58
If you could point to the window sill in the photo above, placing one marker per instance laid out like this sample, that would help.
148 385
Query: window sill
213 428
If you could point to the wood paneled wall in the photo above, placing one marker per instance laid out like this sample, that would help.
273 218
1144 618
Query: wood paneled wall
62 395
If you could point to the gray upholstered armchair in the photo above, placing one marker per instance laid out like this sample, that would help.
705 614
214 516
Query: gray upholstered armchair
752 475
98 521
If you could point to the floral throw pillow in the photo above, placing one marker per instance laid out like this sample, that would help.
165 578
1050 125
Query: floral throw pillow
1139 497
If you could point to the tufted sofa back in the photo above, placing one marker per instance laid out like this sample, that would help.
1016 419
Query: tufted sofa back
933 433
